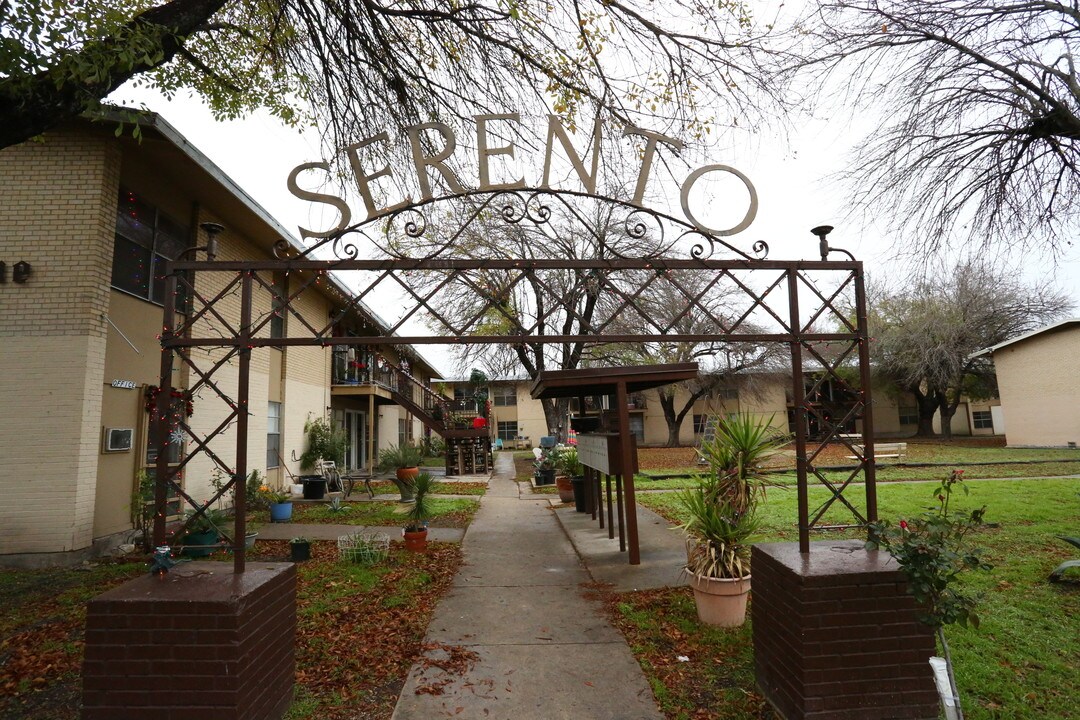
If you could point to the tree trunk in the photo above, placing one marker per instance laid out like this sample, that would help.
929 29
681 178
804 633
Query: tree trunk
674 422
947 410
555 415
928 405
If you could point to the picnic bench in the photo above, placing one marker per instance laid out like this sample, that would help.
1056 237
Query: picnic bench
896 450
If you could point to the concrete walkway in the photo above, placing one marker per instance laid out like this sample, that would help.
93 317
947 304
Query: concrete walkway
542 650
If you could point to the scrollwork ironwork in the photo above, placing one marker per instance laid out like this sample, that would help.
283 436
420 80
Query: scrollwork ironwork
646 229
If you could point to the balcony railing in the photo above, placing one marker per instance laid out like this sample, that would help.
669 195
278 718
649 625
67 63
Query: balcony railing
353 367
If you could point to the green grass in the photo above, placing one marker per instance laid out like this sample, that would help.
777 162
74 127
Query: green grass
1024 661
885 474
449 512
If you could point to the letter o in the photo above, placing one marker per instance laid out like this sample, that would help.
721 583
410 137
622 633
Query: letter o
684 197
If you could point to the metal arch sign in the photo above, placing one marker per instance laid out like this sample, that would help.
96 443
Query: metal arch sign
424 161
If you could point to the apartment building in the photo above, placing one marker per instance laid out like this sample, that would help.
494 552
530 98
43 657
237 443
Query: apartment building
86 219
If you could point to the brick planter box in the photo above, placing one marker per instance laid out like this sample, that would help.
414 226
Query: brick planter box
836 637
199 642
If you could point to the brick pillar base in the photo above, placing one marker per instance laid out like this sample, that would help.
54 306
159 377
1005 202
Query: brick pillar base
200 642
835 635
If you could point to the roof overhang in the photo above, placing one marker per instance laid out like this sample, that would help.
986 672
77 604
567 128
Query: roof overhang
606 380
1056 327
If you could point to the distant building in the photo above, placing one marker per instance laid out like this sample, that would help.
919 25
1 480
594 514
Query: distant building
519 421
1038 376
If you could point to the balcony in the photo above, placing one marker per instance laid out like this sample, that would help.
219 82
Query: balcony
355 372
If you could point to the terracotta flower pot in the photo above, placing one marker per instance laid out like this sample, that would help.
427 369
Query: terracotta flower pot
406 477
720 601
415 541
565 488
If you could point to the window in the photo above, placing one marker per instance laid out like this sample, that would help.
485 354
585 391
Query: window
504 395
982 420
273 434
637 427
909 415
145 239
507 429
277 307
401 432
728 393
700 421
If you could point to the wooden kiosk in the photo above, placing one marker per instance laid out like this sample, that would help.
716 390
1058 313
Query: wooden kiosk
611 451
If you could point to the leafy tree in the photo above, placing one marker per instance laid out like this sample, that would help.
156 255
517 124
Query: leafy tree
979 109
927 331
361 65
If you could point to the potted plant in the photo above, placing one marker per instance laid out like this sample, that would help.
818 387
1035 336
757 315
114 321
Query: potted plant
202 530
717 555
299 549
720 514
566 461
405 460
279 503
544 466
418 513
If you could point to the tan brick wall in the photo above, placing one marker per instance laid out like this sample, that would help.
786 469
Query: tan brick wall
57 213
51 396
1040 394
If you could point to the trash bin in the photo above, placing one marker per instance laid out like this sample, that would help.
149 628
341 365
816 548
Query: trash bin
581 500
314 487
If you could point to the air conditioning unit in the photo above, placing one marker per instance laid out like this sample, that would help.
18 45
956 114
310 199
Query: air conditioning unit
118 439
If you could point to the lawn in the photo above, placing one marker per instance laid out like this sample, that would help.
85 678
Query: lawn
1023 663
41 636
359 629
981 459
446 512
446 487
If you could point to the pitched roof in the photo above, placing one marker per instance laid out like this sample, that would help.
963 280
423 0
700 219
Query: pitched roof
1055 327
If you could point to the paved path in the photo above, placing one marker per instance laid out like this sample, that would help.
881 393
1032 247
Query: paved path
543 651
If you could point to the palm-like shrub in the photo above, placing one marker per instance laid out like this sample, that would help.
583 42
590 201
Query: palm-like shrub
716 534
735 455
405 455
420 510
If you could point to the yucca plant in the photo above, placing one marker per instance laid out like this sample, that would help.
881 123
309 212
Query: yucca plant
735 455
716 534
418 512
405 455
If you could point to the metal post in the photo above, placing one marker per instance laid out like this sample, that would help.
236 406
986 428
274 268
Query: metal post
160 418
242 400
627 449
798 393
862 329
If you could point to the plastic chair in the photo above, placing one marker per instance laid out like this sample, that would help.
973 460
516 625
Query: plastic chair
498 444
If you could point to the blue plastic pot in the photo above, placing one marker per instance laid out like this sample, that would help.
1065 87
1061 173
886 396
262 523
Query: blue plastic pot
280 512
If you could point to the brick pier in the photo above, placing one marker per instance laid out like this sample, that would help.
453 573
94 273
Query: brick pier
836 637
199 642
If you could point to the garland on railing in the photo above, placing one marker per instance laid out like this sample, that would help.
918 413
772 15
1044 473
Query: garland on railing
152 393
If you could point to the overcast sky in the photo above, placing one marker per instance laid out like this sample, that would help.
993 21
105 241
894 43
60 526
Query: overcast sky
791 179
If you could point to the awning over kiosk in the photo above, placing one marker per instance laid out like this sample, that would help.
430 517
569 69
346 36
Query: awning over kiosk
618 382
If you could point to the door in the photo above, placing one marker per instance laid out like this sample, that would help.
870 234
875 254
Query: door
356 432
